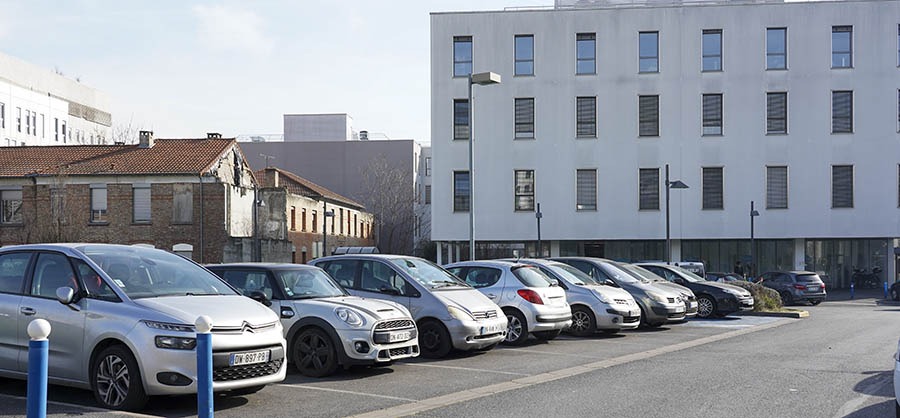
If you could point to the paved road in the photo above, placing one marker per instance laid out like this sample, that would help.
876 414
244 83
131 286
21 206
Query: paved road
836 363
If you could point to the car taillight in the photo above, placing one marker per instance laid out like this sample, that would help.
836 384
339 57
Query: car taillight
531 296
823 286
800 287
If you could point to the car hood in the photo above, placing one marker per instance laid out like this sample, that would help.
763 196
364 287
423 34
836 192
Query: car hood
674 286
378 309
609 291
469 300
224 310
723 286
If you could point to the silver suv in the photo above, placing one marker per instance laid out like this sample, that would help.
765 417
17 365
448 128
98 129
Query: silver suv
448 312
325 327
122 322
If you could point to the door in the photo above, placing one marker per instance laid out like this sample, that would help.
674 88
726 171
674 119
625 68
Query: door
487 281
13 267
380 281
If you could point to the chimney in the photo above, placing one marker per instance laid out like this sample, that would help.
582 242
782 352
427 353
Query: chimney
363 135
213 135
146 139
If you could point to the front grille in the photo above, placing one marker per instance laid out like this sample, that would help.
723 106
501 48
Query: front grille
399 323
631 319
224 374
246 327
676 315
485 314
398 352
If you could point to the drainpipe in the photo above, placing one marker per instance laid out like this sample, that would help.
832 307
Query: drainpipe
202 260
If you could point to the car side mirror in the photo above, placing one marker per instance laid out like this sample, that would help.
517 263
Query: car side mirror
389 290
260 297
65 295
554 282
609 282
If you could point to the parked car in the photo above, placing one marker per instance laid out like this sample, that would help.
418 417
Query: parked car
897 380
325 326
532 302
596 306
722 277
448 312
122 322
895 291
659 304
795 286
687 296
713 299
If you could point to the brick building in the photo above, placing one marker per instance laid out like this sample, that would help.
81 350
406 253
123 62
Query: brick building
293 208
192 196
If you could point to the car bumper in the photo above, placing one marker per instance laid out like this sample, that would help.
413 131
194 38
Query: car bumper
896 381
731 304
549 318
820 296
474 335
668 312
377 352
619 318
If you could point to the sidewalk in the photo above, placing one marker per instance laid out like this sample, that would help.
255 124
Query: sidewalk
844 295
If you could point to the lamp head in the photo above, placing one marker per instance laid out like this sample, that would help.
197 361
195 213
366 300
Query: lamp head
677 184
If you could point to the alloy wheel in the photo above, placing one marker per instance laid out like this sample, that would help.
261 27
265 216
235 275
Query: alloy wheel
113 380
705 307
581 322
514 328
314 352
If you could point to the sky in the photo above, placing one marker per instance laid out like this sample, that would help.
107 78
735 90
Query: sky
185 68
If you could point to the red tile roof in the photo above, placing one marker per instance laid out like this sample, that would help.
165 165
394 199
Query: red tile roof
300 183
166 156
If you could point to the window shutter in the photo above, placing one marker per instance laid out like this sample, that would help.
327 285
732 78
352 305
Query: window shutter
712 188
461 191
141 203
98 199
842 111
842 186
712 114
586 190
776 113
648 109
649 189
586 114
776 188
461 119
525 118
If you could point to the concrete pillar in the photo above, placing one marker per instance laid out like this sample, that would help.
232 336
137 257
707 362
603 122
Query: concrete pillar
440 253
676 250
554 248
800 254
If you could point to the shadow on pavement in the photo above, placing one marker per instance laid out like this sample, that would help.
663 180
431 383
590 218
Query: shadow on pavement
879 410
353 373
877 384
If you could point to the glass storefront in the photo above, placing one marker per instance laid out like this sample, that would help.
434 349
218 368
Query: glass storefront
721 255
624 250
840 261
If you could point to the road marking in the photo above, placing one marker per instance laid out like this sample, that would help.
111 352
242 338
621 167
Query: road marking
854 404
480 392
524 350
349 392
88 408
469 369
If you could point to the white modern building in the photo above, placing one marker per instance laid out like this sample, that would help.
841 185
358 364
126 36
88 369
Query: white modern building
41 107
794 107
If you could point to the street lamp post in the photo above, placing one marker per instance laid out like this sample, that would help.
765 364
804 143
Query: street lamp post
752 266
677 184
325 215
481 79
538 215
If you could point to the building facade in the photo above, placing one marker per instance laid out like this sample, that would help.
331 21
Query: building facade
790 107
40 107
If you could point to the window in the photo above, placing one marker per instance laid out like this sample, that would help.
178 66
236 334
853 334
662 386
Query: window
648 189
303 219
13 267
586 117
18 119
427 166
52 271
842 186
777 187
2 116
525 118
648 51
293 218
585 53
141 203
461 119
586 189
11 206
355 225
461 191
712 188
776 113
34 124
315 222
64 131
841 46
898 50
841 112
27 122
712 114
98 203
43 126
58 204
776 48
462 56
648 115
712 50
341 222
427 194
524 54
524 190
56 129
183 203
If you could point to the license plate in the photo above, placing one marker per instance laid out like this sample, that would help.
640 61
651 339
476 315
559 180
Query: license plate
491 329
693 304
812 288
253 357
397 336
679 309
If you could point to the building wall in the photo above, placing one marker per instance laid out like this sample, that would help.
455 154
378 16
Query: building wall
329 127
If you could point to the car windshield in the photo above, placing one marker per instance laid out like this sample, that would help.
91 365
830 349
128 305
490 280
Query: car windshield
635 273
147 272
686 275
531 276
308 283
428 273
808 278
572 274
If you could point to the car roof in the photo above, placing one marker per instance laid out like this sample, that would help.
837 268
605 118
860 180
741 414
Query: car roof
362 257
589 259
262 265
488 263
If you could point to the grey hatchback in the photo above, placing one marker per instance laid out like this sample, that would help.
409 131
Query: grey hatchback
795 286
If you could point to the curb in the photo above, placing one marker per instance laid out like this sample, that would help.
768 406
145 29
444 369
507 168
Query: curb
790 314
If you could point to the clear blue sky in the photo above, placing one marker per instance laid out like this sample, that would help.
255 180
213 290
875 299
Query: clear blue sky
184 68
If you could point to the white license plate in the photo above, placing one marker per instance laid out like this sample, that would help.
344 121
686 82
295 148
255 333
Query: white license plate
396 336
679 309
491 329
812 288
693 304
240 359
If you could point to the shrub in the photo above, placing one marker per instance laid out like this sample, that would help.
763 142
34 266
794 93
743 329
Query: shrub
764 299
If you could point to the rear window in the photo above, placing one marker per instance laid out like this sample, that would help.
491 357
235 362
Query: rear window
808 278
531 276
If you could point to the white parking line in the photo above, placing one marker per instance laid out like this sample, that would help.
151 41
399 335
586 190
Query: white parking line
552 353
349 392
88 408
469 369
854 404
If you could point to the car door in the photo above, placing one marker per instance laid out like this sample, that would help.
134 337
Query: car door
13 269
380 281
51 271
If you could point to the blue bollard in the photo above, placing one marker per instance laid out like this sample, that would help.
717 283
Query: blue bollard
885 290
204 367
851 290
38 356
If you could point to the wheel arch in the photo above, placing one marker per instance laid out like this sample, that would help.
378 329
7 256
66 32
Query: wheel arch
313 322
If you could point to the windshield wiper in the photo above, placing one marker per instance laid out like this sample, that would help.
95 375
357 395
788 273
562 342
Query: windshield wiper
444 283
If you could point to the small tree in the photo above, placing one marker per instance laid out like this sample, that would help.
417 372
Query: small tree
390 197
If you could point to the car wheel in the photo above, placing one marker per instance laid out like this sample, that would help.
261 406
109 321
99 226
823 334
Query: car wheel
434 340
706 306
897 407
895 296
646 323
116 380
547 335
815 302
245 391
516 328
787 298
314 353
583 322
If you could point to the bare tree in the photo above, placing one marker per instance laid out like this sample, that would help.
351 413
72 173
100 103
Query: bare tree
389 195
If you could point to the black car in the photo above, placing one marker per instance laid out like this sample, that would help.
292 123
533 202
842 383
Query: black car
795 286
895 291
714 299
722 277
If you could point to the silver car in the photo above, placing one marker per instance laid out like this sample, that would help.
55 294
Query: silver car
324 325
448 312
596 306
122 322
532 301
659 304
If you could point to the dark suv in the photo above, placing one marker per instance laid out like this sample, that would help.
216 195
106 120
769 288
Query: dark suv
795 286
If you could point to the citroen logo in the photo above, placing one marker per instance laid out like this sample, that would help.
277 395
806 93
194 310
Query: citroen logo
246 327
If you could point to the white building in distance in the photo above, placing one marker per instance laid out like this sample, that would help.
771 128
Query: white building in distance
791 106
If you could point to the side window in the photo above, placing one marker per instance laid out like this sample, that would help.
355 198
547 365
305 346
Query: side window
784 278
482 277
12 272
344 272
377 277
459 271
248 281
655 270
92 283
599 275
581 265
51 272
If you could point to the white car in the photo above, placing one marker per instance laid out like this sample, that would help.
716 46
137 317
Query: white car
897 379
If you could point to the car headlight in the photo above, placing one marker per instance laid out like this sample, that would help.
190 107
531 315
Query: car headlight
349 316
657 297
165 326
459 314
603 298
175 343
734 292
